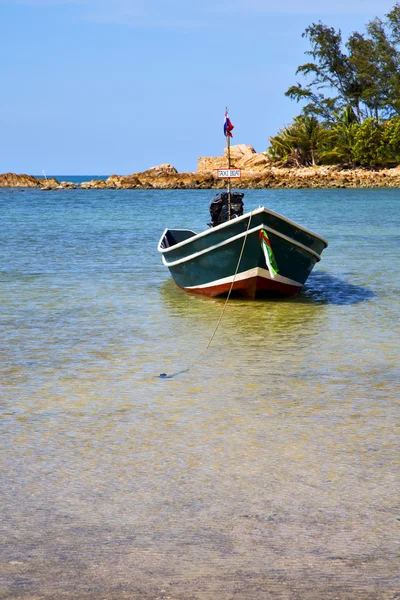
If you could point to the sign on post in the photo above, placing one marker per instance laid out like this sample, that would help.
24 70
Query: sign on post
228 173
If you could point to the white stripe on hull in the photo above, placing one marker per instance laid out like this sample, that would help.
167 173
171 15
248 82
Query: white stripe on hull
256 272
232 239
242 218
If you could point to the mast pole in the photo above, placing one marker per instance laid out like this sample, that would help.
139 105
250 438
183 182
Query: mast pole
228 147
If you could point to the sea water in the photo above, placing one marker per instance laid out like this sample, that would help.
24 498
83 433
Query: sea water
268 467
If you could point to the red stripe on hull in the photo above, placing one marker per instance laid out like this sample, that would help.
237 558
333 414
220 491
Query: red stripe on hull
250 288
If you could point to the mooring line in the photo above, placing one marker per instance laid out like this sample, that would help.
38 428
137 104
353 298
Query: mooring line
164 375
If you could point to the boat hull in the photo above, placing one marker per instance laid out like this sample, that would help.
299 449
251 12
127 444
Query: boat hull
252 284
231 256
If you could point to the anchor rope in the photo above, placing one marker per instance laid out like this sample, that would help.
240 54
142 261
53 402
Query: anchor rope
164 375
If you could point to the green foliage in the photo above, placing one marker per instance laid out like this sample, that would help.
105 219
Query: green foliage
368 140
390 148
299 142
363 72
351 101
306 142
339 139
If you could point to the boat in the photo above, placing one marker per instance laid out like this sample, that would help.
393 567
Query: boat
255 254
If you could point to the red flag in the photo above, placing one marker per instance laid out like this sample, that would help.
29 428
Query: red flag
227 125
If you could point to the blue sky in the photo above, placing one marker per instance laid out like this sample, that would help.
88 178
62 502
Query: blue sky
118 86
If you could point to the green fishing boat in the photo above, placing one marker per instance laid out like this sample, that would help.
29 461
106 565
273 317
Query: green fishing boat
259 253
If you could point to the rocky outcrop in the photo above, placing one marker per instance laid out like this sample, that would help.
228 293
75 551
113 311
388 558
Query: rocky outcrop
242 157
50 184
257 172
257 162
67 185
161 170
207 164
258 177
12 180
93 185
240 152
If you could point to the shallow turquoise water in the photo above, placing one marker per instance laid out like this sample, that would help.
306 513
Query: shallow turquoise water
271 464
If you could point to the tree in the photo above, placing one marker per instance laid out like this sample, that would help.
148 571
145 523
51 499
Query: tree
363 73
331 70
368 143
299 142
391 141
338 142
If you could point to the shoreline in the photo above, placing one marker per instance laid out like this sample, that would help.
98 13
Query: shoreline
166 177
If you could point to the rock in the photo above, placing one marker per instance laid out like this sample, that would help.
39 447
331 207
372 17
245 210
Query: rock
257 161
240 152
206 164
113 181
242 156
258 172
12 180
49 184
129 182
68 185
161 170
94 184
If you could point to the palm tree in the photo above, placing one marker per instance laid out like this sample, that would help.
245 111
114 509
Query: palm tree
340 138
299 143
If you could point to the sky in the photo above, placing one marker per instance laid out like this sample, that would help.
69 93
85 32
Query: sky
118 86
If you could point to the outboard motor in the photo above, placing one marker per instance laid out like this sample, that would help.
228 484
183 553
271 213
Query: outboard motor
219 208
